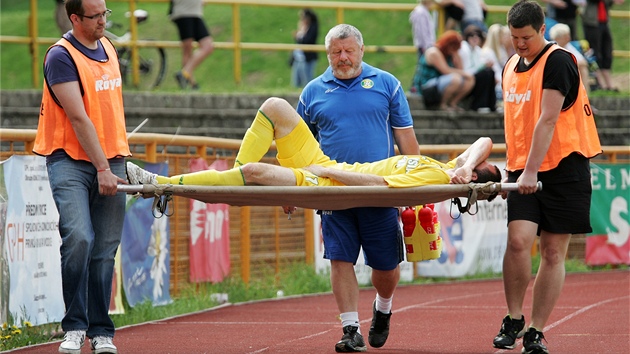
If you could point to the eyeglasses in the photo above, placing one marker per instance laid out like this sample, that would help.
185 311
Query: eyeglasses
105 14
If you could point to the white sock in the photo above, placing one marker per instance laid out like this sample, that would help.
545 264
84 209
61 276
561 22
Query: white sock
350 319
383 305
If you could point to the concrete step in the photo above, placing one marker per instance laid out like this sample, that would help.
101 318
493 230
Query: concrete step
228 116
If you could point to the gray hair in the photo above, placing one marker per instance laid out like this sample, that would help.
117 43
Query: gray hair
559 29
343 31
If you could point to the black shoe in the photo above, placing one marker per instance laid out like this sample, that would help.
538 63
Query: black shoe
379 330
351 342
181 80
532 342
510 330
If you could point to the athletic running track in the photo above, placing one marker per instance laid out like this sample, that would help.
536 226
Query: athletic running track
592 316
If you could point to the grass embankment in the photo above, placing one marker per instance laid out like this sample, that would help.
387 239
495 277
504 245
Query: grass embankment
262 71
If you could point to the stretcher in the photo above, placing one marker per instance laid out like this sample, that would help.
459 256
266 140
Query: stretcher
322 198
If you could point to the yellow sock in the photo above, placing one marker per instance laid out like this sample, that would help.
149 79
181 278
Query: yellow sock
233 177
256 141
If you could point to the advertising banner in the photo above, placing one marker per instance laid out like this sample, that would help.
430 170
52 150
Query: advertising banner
209 233
116 306
145 249
471 244
31 242
608 244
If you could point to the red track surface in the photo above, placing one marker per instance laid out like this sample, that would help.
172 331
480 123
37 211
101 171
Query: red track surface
592 316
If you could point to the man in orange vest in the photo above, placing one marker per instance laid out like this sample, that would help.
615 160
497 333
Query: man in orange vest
82 133
550 136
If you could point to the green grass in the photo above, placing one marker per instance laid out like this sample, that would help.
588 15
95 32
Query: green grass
262 71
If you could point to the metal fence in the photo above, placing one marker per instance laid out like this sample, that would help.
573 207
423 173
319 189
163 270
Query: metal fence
262 239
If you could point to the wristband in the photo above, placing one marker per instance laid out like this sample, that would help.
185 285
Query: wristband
99 171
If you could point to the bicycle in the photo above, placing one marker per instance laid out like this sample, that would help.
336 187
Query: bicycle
152 60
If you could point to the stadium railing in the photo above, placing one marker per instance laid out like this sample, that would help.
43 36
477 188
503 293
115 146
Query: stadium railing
262 239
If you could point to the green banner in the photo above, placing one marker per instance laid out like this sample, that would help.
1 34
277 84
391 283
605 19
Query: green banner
611 197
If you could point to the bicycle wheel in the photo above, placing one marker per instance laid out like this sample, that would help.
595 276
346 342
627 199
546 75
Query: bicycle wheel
152 67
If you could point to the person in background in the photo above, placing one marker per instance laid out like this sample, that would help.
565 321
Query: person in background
561 34
357 112
549 137
498 41
474 14
483 95
303 62
188 16
564 11
597 32
440 76
61 17
498 48
453 11
82 134
422 26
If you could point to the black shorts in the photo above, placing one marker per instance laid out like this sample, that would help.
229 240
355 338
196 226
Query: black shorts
561 208
454 12
191 27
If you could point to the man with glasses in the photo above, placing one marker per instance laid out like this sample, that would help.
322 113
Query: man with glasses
82 133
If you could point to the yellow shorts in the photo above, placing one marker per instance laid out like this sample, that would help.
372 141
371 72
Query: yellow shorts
306 179
300 149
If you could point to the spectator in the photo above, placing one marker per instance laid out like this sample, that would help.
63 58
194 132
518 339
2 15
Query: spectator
350 104
303 62
188 16
440 77
483 95
422 26
499 43
474 14
597 33
82 134
61 17
550 137
564 11
498 48
453 11
561 33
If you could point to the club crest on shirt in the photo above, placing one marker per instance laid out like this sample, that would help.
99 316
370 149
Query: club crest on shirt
367 83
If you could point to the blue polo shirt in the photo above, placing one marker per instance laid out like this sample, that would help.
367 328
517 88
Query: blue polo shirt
353 119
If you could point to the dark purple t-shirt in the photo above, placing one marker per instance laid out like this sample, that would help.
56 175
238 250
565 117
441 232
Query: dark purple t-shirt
59 66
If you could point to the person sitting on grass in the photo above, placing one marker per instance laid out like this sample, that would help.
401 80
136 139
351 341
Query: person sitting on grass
302 162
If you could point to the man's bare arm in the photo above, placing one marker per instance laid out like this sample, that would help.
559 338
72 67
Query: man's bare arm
478 152
407 141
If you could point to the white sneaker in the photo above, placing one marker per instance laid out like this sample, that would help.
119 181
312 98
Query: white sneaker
137 175
102 344
72 342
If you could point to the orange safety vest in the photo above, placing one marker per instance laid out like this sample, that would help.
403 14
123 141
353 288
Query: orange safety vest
102 97
575 129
